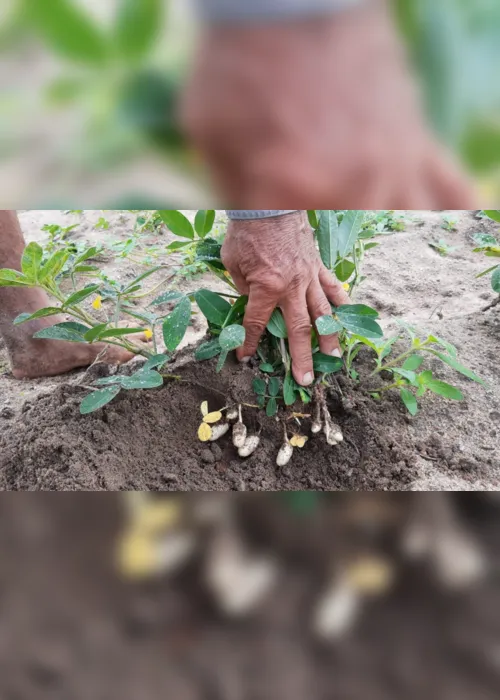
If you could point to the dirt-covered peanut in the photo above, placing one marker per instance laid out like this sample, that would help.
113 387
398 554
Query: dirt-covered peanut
316 424
218 431
239 431
239 434
232 414
251 444
284 455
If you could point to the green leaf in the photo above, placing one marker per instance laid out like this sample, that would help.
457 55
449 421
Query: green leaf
207 350
409 401
155 362
68 330
179 245
214 307
95 332
266 367
53 266
313 218
79 296
208 251
493 214
495 280
176 323
425 377
327 235
259 386
232 337
289 390
166 297
86 269
413 362
98 399
326 325
272 407
452 362
107 381
261 401
204 221
131 286
87 255
274 386
357 320
276 325
344 269
143 379
138 25
444 389
406 374
326 364
237 311
348 231
31 260
13 278
118 332
41 313
177 223
221 361
357 310
68 30
487 272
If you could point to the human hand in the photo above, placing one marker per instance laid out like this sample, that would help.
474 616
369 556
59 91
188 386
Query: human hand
318 114
276 263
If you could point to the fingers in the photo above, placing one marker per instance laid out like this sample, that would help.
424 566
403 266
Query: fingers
318 305
333 289
261 304
298 324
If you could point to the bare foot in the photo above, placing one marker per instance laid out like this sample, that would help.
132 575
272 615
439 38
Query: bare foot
47 358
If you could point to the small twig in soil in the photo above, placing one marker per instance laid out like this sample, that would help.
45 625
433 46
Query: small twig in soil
492 305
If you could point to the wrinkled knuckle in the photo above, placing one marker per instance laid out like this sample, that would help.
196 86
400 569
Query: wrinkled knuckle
254 329
301 326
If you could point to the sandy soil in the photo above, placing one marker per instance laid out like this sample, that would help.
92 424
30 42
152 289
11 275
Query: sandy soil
136 443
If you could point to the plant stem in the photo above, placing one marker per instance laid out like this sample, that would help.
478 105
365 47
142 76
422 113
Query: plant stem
385 388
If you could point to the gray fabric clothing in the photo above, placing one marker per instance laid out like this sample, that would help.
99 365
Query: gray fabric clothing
251 214
242 11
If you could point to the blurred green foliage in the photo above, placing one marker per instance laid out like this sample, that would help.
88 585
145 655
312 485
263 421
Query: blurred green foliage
123 73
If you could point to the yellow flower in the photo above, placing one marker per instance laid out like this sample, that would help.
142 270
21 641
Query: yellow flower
346 286
148 333
212 417
204 432
298 440
97 303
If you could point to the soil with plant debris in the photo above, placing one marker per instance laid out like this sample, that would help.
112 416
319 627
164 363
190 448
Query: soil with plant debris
74 629
148 440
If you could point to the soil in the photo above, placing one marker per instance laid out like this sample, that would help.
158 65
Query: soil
72 629
147 440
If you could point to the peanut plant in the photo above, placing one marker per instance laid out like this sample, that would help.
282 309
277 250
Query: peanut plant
42 270
490 246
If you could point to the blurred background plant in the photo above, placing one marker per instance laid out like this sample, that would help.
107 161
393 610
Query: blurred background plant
103 79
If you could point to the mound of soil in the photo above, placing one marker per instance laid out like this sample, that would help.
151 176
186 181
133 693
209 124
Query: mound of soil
72 629
148 441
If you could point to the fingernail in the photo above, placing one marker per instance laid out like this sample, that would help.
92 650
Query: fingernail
246 359
336 353
308 378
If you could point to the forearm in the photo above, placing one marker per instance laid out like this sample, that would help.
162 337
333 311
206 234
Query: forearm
241 11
